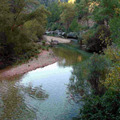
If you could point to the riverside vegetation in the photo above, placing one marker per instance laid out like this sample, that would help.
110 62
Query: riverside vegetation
21 24
97 25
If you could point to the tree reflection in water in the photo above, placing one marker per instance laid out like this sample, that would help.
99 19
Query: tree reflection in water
68 57
78 86
16 103
87 77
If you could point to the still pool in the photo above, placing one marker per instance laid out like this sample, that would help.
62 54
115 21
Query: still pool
41 94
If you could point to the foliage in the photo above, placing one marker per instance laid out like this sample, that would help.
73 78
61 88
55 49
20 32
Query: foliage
55 11
115 30
113 53
78 85
68 13
88 76
82 8
57 26
74 26
36 26
98 67
105 11
16 22
54 22
112 80
103 73
97 39
106 107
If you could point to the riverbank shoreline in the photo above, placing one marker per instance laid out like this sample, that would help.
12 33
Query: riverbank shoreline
58 39
45 58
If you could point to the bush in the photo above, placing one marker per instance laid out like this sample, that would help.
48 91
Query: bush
113 53
113 78
115 30
74 26
18 30
98 67
97 40
56 26
89 75
106 107
34 29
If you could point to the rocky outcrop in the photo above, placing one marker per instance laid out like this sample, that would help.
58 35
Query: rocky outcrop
58 33
72 35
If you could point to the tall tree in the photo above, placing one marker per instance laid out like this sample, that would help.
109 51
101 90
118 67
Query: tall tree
68 13
13 38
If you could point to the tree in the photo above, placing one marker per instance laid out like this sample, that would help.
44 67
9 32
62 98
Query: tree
14 40
82 7
55 11
68 13
105 10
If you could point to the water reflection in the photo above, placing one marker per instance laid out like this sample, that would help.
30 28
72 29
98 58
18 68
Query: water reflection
42 94
35 93
13 105
68 57
78 86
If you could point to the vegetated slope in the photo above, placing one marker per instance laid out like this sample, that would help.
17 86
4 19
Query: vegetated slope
47 2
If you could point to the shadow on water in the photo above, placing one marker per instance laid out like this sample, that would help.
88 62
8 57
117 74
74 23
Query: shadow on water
15 101
44 93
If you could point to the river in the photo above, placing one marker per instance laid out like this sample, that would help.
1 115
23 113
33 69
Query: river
42 94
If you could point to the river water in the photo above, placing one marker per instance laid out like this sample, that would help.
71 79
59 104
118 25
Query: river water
42 94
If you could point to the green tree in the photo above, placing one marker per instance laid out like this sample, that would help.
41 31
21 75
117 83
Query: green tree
55 11
14 40
82 7
106 107
54 17
68 13
105 10
74 26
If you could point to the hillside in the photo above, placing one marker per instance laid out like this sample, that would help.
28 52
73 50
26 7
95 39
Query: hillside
47 2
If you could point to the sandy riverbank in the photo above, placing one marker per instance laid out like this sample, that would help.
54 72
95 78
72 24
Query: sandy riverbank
44 58
60 40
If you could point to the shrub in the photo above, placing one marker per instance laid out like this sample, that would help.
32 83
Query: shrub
106 107
113 78
88 76
97 40
115 30
74 26
113 53
18 29
55 26
98 67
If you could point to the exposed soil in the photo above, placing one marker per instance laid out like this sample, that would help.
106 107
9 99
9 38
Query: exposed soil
60 40
44 58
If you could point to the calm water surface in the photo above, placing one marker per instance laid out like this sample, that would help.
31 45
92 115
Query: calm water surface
41 94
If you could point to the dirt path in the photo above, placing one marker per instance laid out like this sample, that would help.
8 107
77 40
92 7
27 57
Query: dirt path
60 40
45 58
